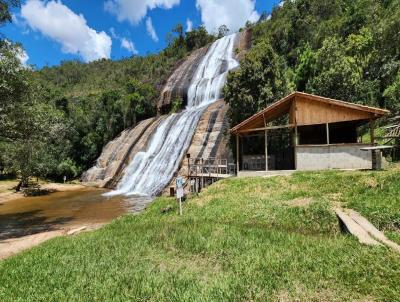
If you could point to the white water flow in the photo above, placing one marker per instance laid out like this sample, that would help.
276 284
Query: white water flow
150 171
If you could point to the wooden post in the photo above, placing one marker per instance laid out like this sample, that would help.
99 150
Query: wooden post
202 173
372 131
327 134
188 158
266 150
266 143
296 142
241 150
237 155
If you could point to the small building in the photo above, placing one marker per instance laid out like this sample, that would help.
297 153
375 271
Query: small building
306 132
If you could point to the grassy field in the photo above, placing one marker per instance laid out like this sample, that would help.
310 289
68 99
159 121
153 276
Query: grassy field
254 239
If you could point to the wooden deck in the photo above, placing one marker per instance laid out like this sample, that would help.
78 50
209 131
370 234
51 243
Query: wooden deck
204 172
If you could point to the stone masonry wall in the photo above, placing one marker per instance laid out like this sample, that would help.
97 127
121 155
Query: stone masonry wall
333 157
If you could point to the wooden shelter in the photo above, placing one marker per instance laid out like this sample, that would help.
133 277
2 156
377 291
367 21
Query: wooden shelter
321 133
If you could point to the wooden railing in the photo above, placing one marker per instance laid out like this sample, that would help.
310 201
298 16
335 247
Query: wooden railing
203 172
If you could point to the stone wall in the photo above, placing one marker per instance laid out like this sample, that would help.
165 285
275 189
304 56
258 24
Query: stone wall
324 157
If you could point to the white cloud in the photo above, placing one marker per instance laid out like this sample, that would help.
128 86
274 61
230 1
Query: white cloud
113 33
135 10
128 45
22 56
56 21
14 19
189 25
232 13
125 42
150 30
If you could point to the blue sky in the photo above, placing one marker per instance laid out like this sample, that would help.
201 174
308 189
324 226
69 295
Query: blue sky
53 31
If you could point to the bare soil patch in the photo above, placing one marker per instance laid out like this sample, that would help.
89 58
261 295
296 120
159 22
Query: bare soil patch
14 246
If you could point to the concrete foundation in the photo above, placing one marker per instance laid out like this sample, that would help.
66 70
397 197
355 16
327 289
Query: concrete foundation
325 157
265 173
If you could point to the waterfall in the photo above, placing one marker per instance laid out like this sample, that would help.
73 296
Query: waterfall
150 171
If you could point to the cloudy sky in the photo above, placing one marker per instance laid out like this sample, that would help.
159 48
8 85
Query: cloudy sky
53 31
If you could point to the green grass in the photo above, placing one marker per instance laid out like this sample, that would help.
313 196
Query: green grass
239 240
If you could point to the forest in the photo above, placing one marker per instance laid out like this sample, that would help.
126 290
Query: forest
55 121
343 49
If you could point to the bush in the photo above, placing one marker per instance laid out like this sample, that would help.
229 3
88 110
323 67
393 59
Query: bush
69 169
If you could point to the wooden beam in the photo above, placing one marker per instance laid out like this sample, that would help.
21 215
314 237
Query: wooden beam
267 128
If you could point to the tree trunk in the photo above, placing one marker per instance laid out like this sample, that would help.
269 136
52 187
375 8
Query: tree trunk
18 187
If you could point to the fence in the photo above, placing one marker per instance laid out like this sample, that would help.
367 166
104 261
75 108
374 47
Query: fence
203 172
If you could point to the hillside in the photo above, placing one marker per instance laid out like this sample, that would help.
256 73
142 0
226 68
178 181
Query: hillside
75 79
88 104
242 239
342 49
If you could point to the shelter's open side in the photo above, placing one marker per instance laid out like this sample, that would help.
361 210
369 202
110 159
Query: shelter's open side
305 132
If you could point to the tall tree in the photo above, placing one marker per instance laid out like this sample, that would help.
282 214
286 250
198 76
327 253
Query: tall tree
260 81
5 5
223 30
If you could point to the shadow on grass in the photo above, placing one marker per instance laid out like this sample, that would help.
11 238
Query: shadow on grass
17 225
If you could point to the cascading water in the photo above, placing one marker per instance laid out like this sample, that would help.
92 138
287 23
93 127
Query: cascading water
150 171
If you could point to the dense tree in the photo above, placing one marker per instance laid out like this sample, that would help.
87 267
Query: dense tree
198 38
342 49
223 30
39 144
392 94
5 5
136 104
260 80
14 89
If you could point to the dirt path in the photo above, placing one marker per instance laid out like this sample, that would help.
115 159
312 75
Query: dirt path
12 247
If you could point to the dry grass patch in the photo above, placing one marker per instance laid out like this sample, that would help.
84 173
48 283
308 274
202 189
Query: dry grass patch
300 202
300 293
371 182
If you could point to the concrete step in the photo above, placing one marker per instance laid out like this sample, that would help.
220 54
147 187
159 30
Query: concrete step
372 230
355 229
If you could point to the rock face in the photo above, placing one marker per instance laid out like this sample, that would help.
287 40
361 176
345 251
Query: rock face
140 145
179 82
115 154
210 138
243 44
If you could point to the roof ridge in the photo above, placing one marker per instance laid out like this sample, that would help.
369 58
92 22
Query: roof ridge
373 110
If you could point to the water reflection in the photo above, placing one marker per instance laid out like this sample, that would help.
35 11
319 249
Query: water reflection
33 215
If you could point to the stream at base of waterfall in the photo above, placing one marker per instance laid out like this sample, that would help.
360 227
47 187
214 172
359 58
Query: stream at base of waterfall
150 171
